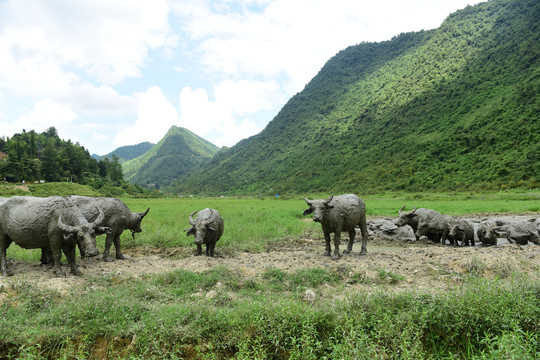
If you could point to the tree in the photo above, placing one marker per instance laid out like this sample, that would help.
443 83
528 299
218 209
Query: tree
50 162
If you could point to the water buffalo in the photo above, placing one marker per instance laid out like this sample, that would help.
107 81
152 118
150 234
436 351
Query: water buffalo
462 231
338 214
437 229
117 216
414 217
523 232
486 233
53 222
207 228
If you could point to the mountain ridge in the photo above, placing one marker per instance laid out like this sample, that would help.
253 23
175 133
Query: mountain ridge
177 153
445 109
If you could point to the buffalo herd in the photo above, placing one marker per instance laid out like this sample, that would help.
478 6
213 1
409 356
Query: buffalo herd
61 224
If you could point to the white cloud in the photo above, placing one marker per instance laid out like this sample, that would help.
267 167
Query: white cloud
155 117
46 114
110 40
217 119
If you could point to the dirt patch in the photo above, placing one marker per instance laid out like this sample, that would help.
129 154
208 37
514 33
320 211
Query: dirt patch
421 266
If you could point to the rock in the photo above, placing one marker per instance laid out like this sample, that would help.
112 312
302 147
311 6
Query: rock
309 296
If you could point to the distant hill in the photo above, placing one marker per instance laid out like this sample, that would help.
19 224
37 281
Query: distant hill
455 108
178 153
125 153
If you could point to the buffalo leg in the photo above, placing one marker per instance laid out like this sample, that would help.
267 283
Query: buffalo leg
57 256
69 250
119 254
328 250
199 249
364 231
5 241
212 246
352 234
108 242
337 240
46 256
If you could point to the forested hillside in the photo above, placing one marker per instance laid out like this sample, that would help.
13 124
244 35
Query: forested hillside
125 153
455 108
33 157
177 154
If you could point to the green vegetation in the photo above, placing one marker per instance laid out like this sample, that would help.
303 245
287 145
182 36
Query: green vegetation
125 153
220 313
167 317
451 109
33 158
177 154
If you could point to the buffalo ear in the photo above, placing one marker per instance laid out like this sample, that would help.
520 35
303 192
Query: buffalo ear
100 230
190 231
308 211
211 228
327 206
68 237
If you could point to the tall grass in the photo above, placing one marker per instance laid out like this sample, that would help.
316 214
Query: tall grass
171 316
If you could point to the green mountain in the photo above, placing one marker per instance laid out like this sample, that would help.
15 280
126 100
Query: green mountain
125 153
177 154
455 108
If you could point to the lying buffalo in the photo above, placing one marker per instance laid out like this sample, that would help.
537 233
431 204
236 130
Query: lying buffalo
414 217
207 228
462 231
54 222
338 214
487 233
437 229
523 232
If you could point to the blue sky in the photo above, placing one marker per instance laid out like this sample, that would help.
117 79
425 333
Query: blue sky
109 73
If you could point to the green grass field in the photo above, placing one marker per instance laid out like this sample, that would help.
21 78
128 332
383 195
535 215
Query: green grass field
252 222
265 317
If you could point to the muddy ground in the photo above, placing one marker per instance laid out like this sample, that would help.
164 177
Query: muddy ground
422 266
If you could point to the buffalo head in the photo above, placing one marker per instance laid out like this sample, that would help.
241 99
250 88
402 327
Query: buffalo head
137 219
405 218
199 228
85 233
317 207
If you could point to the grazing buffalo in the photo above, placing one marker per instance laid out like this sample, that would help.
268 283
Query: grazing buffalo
207 228
414 217
486 233
52 222
339 214
116 215
462 231
437 229
523 232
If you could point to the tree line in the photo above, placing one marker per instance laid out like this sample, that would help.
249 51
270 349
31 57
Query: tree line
45 157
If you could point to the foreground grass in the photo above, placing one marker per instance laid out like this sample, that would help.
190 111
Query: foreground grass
218 315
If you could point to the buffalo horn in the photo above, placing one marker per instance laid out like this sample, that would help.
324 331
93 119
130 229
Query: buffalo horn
191 221
400 210
326 201
143 214
309 202
100 218
64 227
